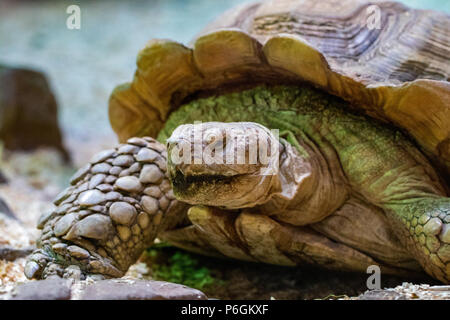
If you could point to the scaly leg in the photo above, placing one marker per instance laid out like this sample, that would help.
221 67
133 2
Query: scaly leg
113 210
254 237
424 225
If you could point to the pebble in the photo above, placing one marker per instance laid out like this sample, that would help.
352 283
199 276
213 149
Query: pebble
140 290
53 288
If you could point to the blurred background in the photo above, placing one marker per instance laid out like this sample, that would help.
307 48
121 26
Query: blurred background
81 68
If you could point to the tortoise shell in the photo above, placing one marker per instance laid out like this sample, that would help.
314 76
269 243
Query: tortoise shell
396 69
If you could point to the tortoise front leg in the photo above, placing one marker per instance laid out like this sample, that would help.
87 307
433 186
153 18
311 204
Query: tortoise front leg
251 236
113 210
424 226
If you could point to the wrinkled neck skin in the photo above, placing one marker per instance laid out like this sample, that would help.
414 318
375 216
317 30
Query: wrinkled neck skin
308 190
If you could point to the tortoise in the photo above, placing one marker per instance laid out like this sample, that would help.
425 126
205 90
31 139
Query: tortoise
350 125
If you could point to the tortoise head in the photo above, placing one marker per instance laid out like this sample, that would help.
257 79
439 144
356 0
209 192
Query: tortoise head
232 165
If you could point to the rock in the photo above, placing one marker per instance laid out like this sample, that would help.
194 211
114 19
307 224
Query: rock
53 288
129 184
151 174
28 111
408 291
381 295
4 209
9 253
140 290
122 213
3 178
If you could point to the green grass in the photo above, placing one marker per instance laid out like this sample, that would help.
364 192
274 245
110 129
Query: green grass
181 267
